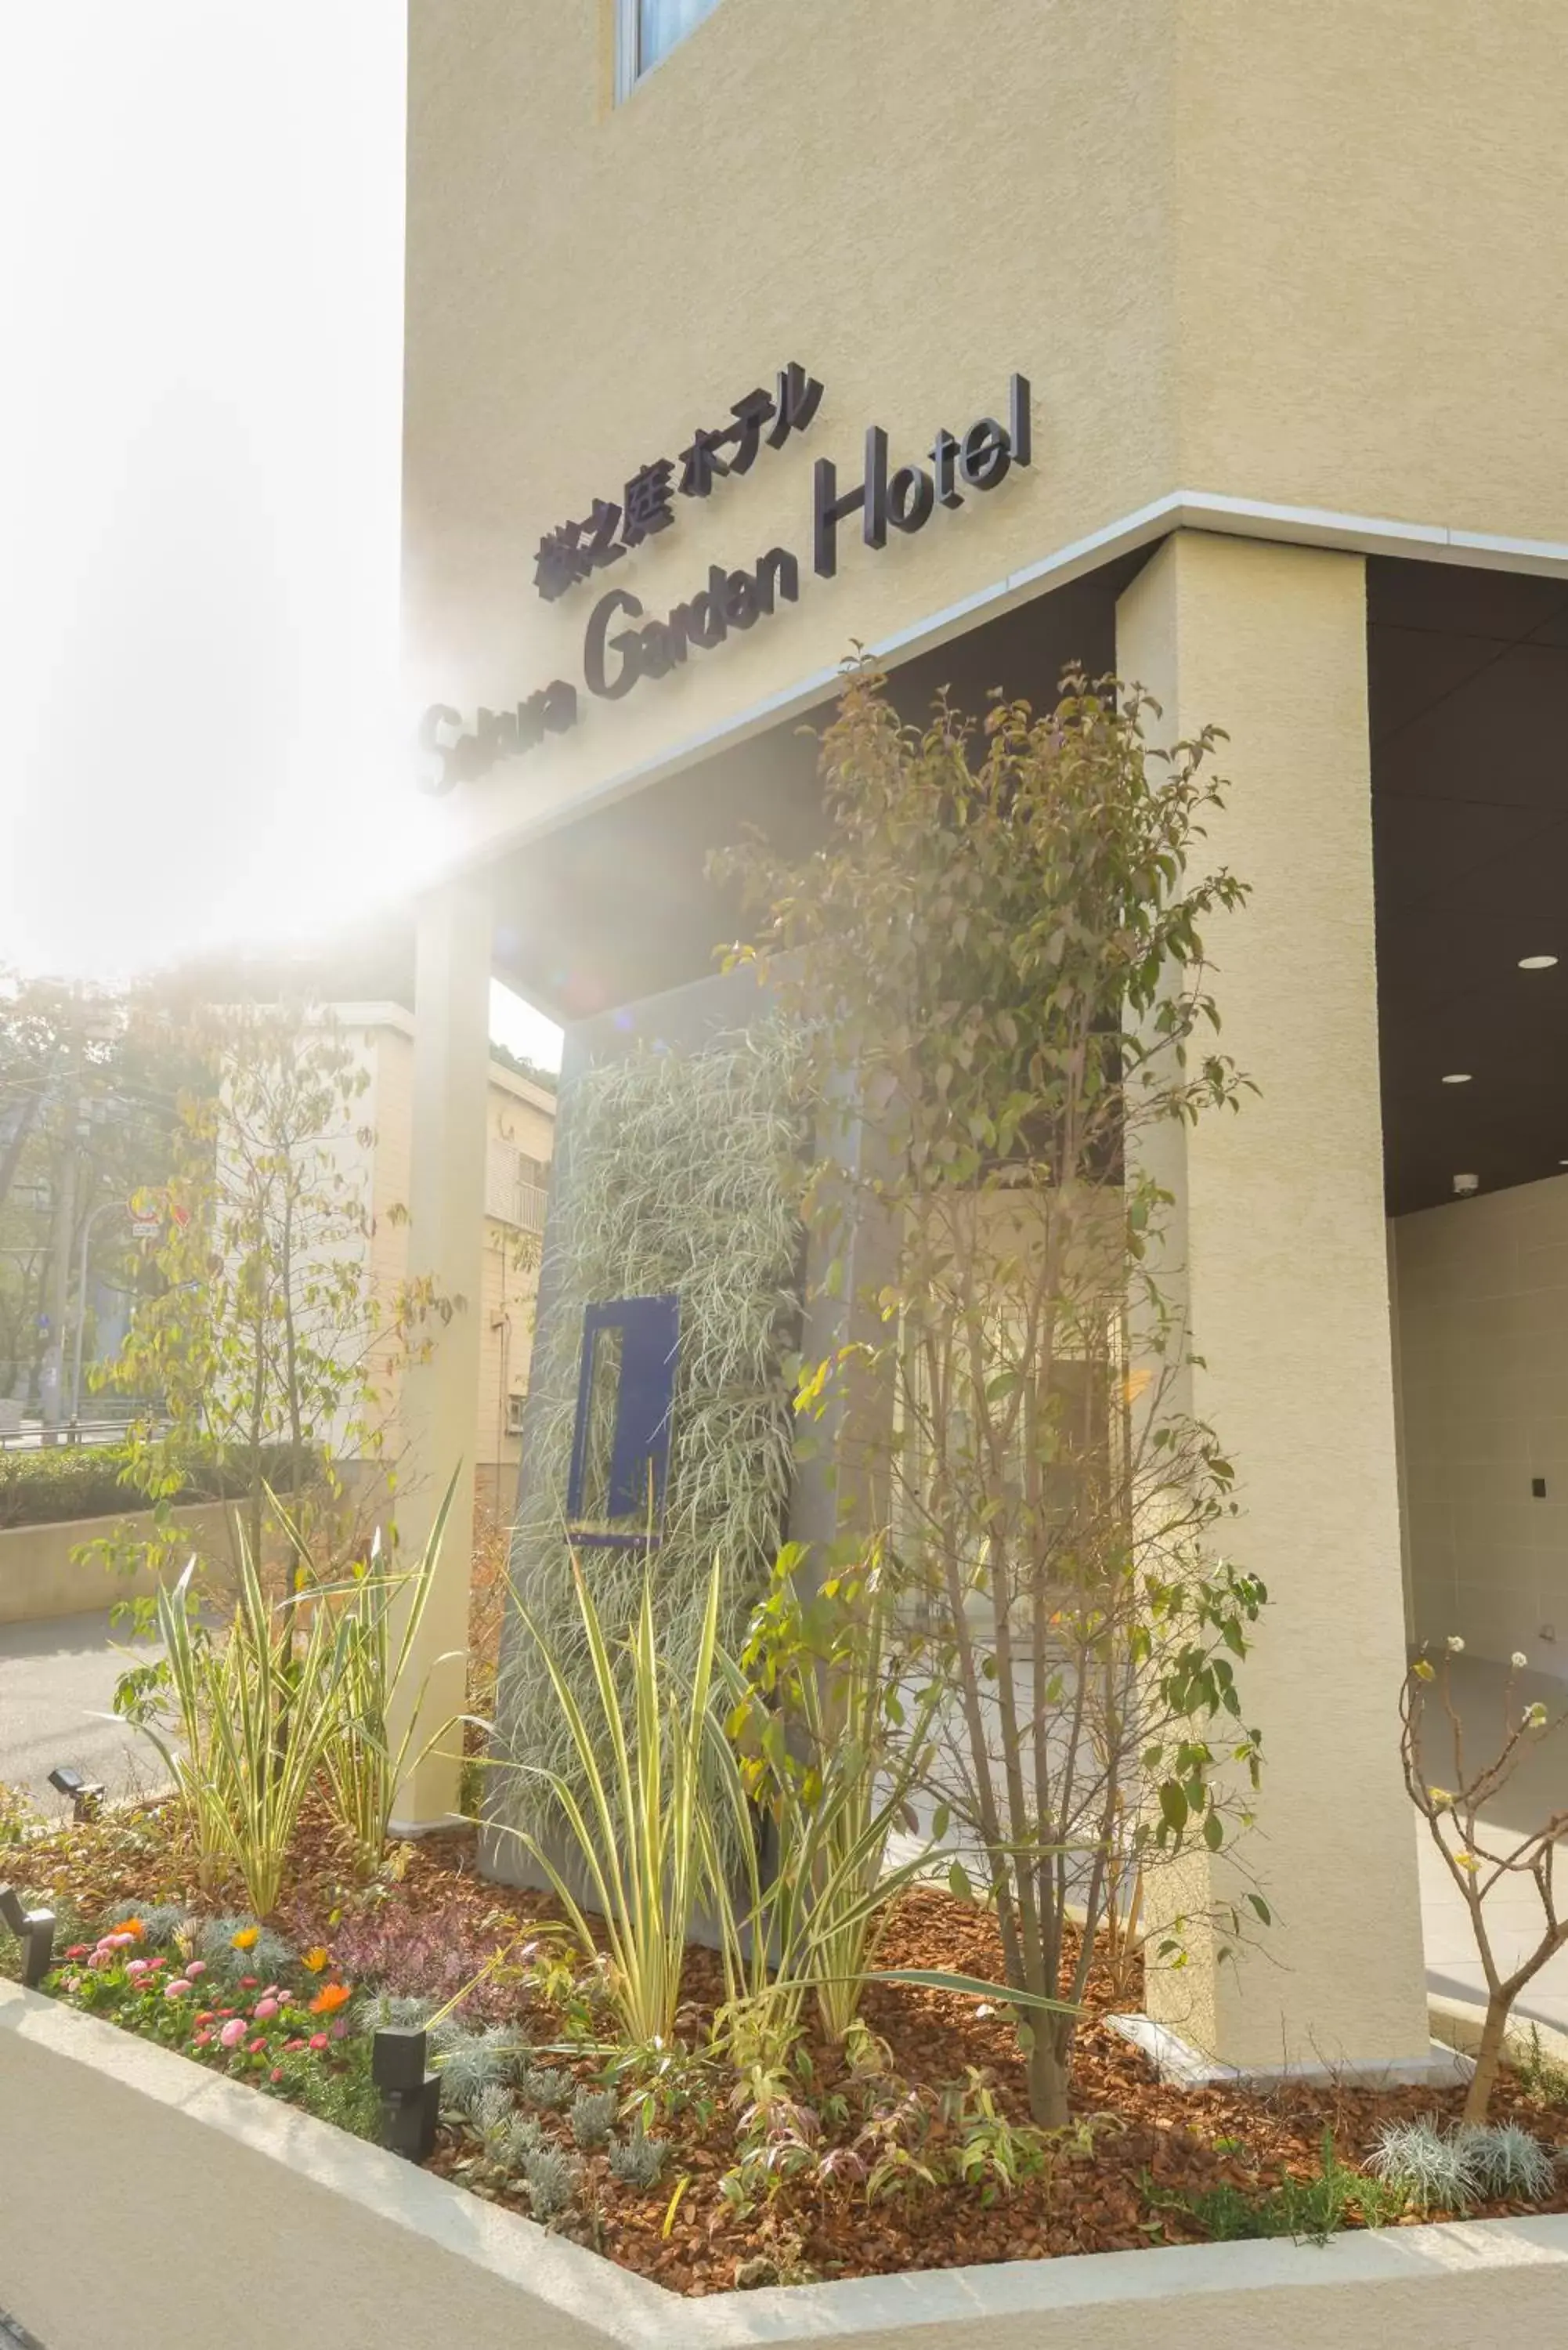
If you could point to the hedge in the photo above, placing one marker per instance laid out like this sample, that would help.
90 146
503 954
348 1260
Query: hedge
84 1480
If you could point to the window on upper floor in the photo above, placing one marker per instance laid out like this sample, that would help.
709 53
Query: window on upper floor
648 29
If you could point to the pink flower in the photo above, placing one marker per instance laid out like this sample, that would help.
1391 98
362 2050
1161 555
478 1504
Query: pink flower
318 2040
256 2047
292 2045
120 1941
232 2033
101 1959
200 2039
177 1989
276 2073
272 1991
265 2010
136 1968
78 1951
197 1967
340 2028
250 1982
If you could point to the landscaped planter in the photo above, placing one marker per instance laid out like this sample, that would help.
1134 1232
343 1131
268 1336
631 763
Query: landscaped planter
145 2198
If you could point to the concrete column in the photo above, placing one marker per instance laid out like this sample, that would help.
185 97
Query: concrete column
1277 1248
446 1241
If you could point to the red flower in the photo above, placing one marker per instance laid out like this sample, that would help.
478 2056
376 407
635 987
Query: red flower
250 1982
318 2040
79 1951
256 2047
277 2075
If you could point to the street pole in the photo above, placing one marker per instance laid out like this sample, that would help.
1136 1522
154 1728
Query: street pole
104 1207
63 1234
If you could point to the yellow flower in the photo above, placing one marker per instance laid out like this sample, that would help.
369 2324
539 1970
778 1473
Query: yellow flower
247 1938
314 1959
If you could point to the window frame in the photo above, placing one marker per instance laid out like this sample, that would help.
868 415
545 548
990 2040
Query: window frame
628 71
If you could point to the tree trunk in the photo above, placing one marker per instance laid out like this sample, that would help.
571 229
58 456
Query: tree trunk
1047 2081
1488 2055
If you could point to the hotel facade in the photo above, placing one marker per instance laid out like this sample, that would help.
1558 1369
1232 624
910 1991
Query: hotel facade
1221 348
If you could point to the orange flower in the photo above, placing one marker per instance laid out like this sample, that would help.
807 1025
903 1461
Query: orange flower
132 1926
314 1959
330 1997
247 1938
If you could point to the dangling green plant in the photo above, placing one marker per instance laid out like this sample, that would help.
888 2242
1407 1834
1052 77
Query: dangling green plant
677 1173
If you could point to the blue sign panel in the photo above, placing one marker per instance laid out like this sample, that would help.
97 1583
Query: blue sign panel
620 1446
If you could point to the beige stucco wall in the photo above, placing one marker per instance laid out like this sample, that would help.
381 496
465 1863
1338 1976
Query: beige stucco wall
1484 1333
1269 252
1277 1251
144 2191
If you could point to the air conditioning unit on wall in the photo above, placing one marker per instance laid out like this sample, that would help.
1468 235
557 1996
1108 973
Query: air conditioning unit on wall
514 1404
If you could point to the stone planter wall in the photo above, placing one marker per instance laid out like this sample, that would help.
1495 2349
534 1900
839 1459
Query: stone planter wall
144 2199
40 1578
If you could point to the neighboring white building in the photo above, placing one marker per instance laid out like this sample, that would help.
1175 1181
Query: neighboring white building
520 1138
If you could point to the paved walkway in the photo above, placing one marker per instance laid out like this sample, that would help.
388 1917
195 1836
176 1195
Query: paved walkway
14 2338
56 1683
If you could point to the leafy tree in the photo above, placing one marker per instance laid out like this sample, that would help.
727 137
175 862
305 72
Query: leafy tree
998 957
272 1358
88 1085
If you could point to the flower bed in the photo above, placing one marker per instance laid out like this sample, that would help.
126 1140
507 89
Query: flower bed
910 2150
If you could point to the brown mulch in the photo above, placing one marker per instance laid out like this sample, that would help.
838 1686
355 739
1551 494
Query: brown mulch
1149 2140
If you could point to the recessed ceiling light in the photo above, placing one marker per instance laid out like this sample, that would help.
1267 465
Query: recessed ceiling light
1458 1077
1537 962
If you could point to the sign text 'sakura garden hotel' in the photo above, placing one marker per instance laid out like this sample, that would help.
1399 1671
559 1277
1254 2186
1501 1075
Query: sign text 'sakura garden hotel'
1223 347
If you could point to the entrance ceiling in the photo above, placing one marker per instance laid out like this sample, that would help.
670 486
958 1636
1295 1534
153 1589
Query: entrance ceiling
1468 679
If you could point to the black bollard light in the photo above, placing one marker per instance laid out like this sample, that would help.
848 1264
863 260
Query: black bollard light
409 2094
35 1930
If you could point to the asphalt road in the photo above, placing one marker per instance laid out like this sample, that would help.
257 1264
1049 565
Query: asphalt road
55 1679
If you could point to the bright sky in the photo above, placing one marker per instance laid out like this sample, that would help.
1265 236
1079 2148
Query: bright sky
200 276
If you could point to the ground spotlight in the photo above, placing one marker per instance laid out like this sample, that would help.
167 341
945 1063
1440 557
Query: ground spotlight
85 1794
35 1930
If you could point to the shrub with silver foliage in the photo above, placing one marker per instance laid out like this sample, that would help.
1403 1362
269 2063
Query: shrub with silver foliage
1451 2170
551 2181
490 2114
545 2085
266 1958
523 2137
593 2111
161 1923
639 2160
467 2069
1431 2168
1506 2162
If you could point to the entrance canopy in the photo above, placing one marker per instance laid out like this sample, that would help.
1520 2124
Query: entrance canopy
1467 677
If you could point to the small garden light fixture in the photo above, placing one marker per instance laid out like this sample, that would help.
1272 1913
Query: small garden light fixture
409 2094
35 1930
85 1794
